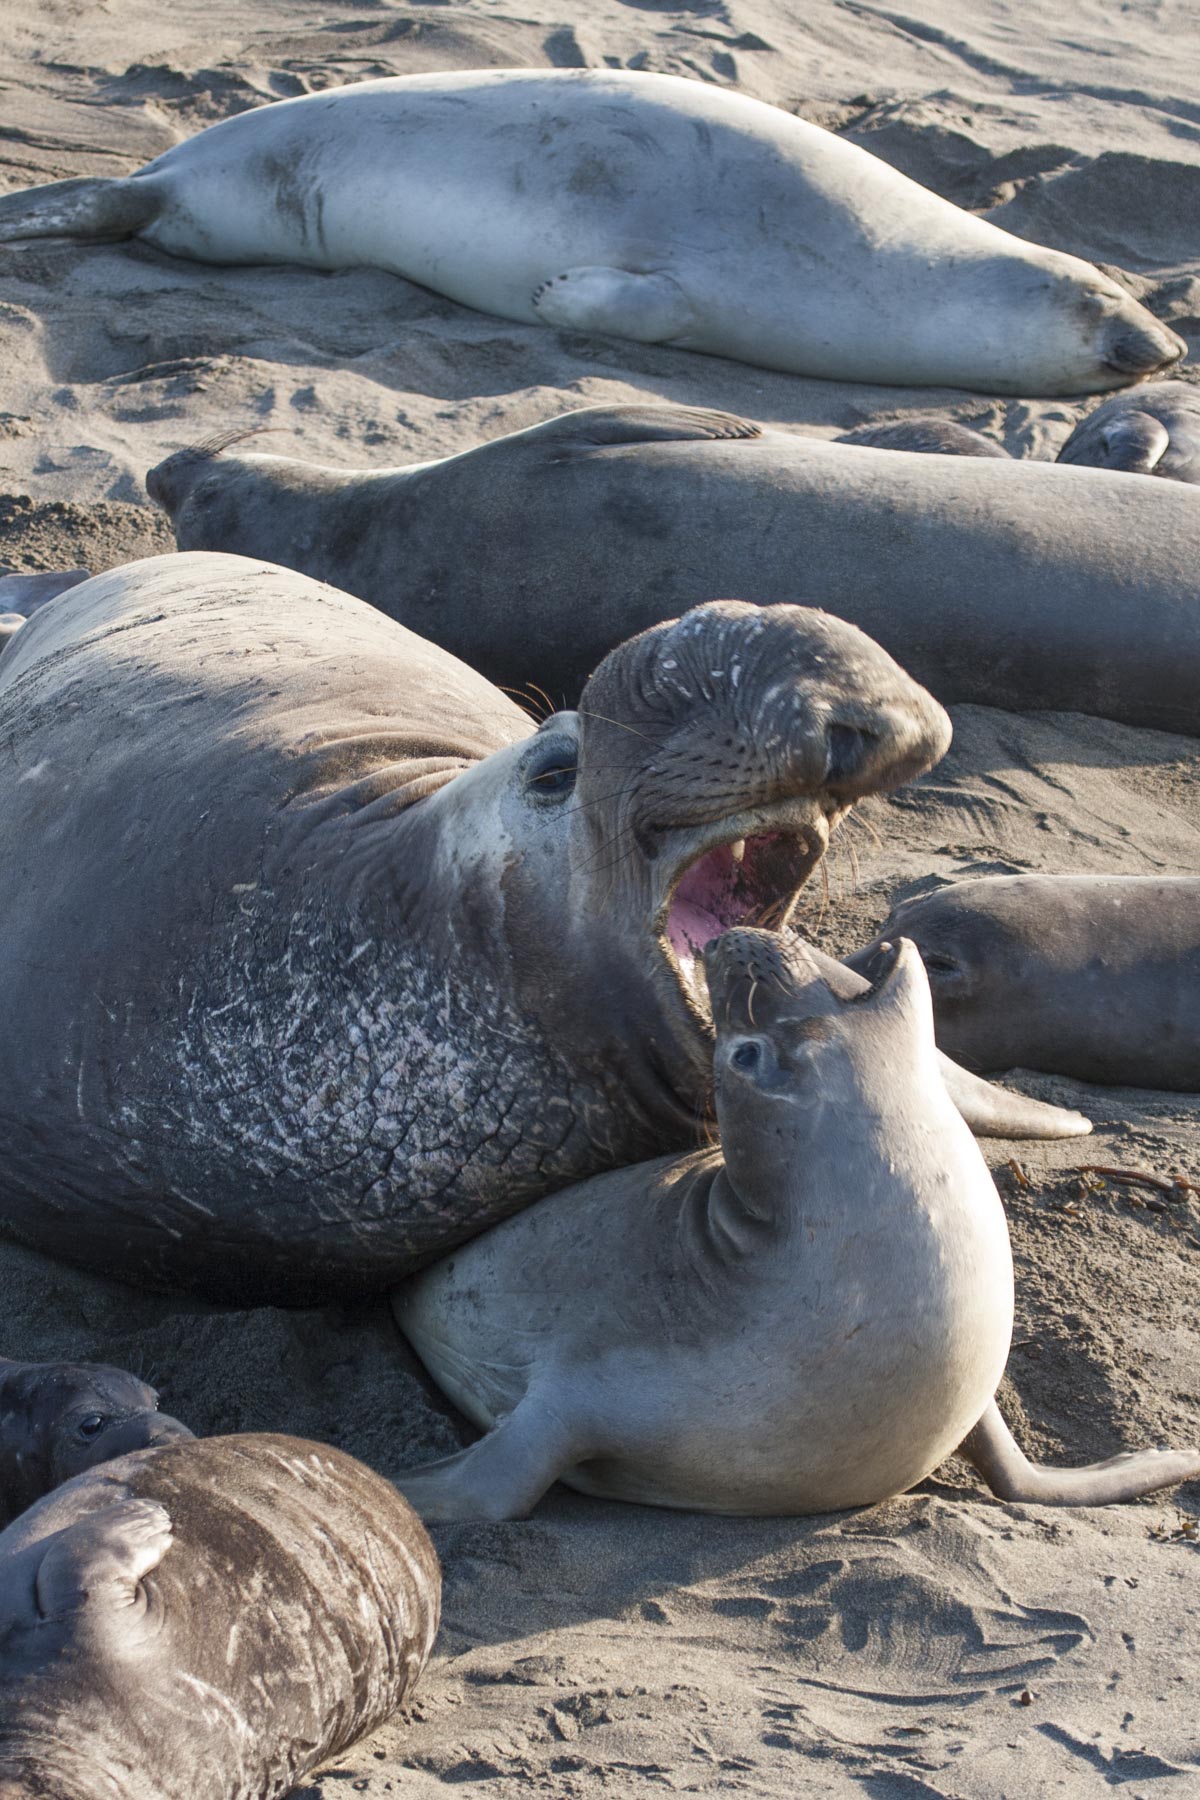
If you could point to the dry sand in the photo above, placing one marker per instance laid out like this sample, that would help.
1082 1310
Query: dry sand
942 1645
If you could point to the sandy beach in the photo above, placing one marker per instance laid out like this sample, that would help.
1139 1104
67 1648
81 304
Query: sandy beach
943 1644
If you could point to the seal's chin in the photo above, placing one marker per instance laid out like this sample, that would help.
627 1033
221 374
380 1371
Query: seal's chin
750 880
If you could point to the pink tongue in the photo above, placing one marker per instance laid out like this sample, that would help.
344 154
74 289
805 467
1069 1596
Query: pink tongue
690 928
703 905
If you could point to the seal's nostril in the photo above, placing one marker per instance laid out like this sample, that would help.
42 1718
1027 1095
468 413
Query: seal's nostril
848 750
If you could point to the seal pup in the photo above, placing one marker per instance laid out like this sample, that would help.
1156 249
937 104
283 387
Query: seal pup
1081 594
351 958
1153 432
57 1419
1094 976
207 1621
811 1317
634 204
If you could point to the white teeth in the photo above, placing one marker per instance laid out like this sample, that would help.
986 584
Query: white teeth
738 850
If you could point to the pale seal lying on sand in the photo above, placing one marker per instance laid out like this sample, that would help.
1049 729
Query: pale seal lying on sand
57 1419
1086 975
320 957
652 208
810 1318
207 1621
1002 583
1153 432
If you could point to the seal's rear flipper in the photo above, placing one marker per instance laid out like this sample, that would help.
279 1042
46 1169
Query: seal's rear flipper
94 208
99 1563
649 309
1011 1476
503 1476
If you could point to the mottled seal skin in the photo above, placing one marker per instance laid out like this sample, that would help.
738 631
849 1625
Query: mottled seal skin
1155 431
207 1621
925 436
320 956
57 1419
811 1317
1087 975
1081 594
636 204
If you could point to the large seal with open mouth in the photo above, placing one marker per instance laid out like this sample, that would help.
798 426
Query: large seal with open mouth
810 1317
210 1619
636 204
320 957
1000 583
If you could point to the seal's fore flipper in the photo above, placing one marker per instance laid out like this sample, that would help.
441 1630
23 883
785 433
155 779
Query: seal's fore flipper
650 309
598 427
98 1563
504 1475
989 1111
1136 444
1011 1476
93 208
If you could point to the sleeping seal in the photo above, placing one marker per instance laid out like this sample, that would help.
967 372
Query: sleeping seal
320 957
641 205
1081 597
207 1621
1087 975
1153 432
57 1419
811 1317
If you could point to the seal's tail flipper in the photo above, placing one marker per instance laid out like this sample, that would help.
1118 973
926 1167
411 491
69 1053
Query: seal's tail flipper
503 1476
94 208
1011 1476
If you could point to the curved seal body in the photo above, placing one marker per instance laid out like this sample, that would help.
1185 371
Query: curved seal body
207 1621
57 1419
810 1318
1153 432
653 208
996 582
320 957
1086 975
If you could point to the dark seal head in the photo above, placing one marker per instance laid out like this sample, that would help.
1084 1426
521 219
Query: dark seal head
1152 430
217 1616
376 960
57 1419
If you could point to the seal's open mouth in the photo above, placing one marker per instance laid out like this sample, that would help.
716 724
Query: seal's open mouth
752 880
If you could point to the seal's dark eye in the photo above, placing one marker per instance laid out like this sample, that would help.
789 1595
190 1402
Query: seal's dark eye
90 1424
747 1056
552 776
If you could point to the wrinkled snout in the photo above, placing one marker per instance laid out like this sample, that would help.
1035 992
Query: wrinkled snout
140 1431
1140 344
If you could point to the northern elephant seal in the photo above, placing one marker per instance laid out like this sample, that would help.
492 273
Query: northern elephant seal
320 957
1153 432
57 1419
637 204
811 1317
1086 975
1001 583
207 1621
21 595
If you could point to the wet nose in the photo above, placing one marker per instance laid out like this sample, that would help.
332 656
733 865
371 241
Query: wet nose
1140 347
885 747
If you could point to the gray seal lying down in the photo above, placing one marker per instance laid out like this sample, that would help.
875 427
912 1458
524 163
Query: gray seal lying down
321 957
1023 585
58 1419
1095 976
1155 431
601 200
811 1317
207 1621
